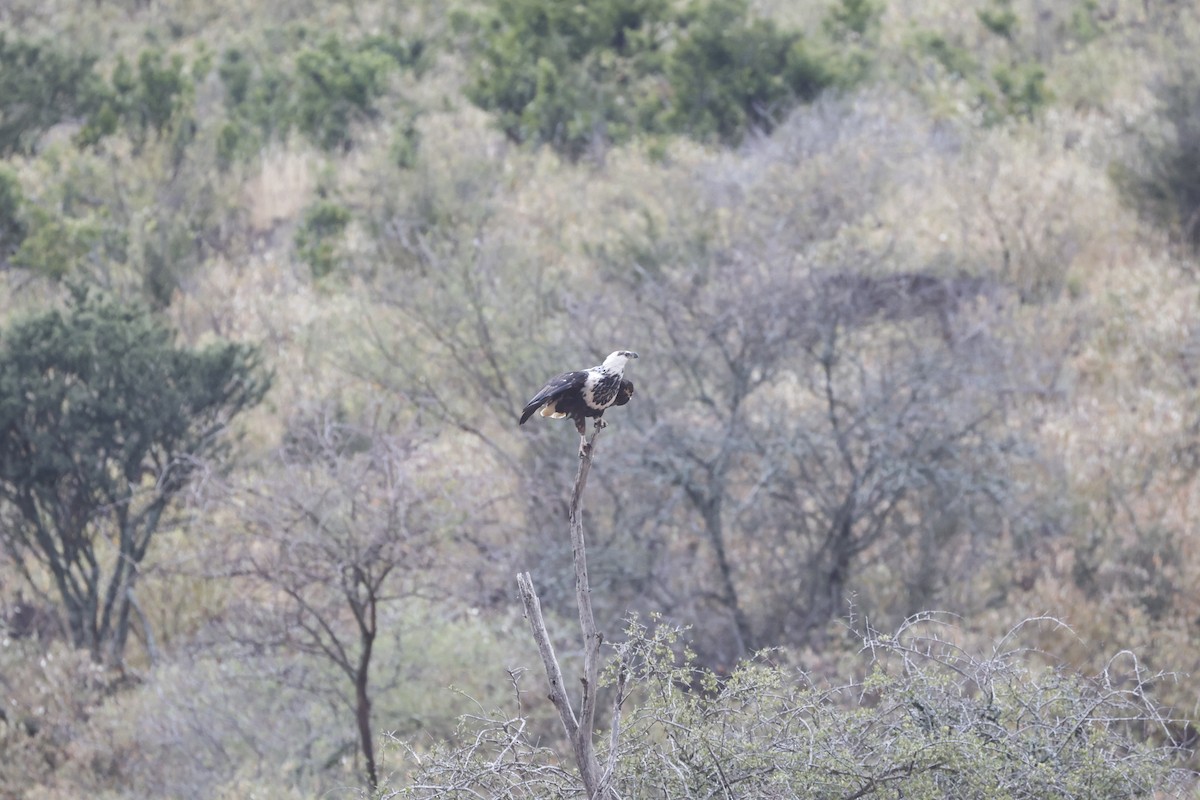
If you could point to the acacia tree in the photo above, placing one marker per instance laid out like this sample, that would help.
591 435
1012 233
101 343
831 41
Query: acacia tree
347 525
103 422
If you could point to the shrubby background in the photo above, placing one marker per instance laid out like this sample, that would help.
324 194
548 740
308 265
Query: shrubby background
915 286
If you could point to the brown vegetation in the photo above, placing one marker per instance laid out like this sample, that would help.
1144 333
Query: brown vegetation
919 336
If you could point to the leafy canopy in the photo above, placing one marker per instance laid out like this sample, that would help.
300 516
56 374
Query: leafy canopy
103 420
576 75
40 86
331 86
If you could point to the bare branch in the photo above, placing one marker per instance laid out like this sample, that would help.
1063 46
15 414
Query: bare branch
533 613
580 730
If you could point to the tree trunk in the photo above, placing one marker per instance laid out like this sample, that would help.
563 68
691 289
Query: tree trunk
711 511
362 710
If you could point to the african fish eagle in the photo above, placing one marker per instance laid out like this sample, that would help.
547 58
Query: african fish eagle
586 393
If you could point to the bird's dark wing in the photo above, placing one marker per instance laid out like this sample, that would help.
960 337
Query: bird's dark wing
554 389
624 392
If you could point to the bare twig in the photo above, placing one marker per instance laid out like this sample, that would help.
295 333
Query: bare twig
533 613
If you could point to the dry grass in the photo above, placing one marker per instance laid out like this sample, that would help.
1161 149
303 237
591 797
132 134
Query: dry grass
281 187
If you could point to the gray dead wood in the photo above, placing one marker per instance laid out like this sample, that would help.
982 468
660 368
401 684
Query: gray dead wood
579 729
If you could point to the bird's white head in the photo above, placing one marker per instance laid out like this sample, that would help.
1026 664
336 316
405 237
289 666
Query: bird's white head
617 359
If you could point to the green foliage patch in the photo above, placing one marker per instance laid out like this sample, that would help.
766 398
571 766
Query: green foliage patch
320 235
67 230
327 89
42 85
1162 178
337 86
569 74
56 246
103 421
12 226
731 73
148 99
257 99
579 76
1002 79
321 88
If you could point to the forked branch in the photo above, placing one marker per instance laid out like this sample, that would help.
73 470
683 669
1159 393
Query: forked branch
579 729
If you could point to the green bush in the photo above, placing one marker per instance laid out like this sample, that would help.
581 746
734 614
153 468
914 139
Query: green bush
168 251
12 225
257 93
1162 177
141 227
157 93
236 73
730 73
1085 24
40 86
150 99
1021 92
68 224
853 19
567 74
56 245
956 60
337 86
330 87
319 236
1000 19
406 142
258 100
576 75
231 143
1001 81
853 28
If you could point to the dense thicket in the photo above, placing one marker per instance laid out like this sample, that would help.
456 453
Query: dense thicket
582 76
42 85
929 720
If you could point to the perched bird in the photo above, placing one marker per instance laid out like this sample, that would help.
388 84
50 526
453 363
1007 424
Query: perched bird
586 393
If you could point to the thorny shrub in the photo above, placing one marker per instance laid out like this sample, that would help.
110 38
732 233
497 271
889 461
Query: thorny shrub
928 720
